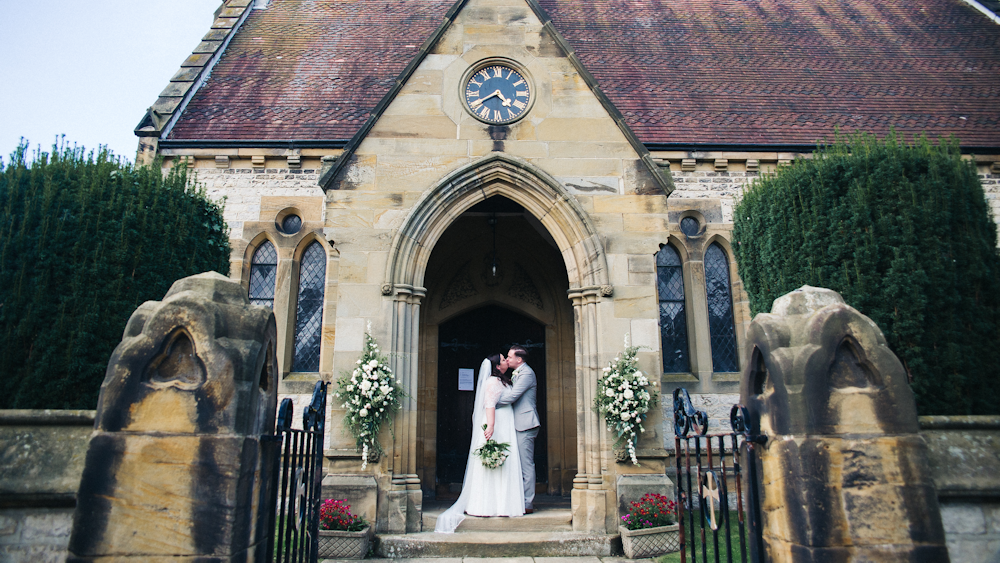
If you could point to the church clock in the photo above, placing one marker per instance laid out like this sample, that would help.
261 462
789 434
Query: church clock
497 93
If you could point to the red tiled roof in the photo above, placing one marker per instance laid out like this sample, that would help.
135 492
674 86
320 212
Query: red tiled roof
757 72
790 71
309 69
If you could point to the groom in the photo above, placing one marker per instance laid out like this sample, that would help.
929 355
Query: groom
523 396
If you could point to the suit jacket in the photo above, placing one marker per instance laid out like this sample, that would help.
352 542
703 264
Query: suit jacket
523 396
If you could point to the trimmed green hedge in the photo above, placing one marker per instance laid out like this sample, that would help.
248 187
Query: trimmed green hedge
905 235
84 240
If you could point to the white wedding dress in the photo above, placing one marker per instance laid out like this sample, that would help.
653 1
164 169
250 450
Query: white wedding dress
488 492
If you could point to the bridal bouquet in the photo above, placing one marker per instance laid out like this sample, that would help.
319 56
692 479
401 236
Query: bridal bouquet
492 453
623 400
371 396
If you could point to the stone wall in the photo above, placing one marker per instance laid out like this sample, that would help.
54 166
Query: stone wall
41 460
991 185
964 456
716 405
242 187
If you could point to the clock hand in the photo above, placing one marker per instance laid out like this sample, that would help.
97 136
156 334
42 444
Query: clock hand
479 102
506 102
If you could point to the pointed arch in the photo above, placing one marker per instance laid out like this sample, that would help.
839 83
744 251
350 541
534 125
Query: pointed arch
310 297
499 174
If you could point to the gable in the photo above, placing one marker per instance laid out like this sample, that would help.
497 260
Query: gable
569 129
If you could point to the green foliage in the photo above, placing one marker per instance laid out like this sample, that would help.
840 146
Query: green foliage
905 235
84 240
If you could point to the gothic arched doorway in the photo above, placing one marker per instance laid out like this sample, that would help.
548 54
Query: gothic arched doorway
463 342
472 310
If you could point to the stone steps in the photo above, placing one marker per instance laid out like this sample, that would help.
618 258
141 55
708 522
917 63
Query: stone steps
545 520
496 544
546 533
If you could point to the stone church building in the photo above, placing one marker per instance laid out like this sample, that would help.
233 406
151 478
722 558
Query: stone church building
462 175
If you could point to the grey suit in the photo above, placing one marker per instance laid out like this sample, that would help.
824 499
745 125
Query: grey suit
523 396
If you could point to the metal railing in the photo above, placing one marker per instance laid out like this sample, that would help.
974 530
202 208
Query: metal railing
703 479
296 482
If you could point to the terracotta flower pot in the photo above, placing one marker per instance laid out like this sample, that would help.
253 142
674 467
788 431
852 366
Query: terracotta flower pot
338 544
650 542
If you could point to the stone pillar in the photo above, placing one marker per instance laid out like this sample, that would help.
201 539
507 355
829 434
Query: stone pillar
589 497
844 473
404 498
174 464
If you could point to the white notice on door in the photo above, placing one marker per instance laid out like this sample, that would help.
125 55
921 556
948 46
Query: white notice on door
465 379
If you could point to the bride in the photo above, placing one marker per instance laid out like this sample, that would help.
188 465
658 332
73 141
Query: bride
489 492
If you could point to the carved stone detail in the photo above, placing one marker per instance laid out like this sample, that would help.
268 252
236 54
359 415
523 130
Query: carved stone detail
841 425
460 287
178 365
178 428
522 287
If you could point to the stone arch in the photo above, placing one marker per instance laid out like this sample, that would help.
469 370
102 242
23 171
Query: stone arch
586 264
499 174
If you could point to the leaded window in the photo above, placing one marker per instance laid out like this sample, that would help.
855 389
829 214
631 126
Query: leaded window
291 224
263 274
309 309
673 324
720 310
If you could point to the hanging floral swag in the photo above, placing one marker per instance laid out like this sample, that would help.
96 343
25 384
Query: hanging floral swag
624 400
371 396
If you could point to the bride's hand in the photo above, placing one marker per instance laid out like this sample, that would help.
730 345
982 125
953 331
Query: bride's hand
489 431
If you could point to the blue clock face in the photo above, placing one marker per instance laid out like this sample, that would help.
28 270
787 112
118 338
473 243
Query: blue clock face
497 94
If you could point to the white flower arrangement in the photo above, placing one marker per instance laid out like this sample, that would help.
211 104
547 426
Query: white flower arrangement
623 398
492 454
371 395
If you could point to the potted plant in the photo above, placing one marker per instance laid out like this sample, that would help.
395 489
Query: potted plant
650 527
342 535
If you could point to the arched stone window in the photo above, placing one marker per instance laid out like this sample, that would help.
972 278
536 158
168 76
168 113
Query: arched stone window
263 275
720 310
309 308
673 321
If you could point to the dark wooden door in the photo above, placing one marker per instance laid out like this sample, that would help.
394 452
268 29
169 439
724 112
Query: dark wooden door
464 342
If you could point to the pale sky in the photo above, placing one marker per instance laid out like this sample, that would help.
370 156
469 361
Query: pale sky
89 69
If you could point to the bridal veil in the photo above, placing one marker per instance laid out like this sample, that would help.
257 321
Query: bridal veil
451 518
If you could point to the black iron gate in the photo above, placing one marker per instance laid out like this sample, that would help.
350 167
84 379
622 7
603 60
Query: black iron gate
295 482
703 482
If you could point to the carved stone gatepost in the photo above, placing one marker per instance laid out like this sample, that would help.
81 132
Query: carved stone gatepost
845 475
173 471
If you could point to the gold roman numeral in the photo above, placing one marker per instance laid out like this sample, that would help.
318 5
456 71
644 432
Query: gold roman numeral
519 104
522 93
473 81
512 115
497 72
518 83
486 75
472 93
496 115
484 112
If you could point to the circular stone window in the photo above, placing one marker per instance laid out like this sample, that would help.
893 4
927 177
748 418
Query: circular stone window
291 224
690 226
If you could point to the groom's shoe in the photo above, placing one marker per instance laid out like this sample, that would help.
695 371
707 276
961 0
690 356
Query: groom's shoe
529 510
